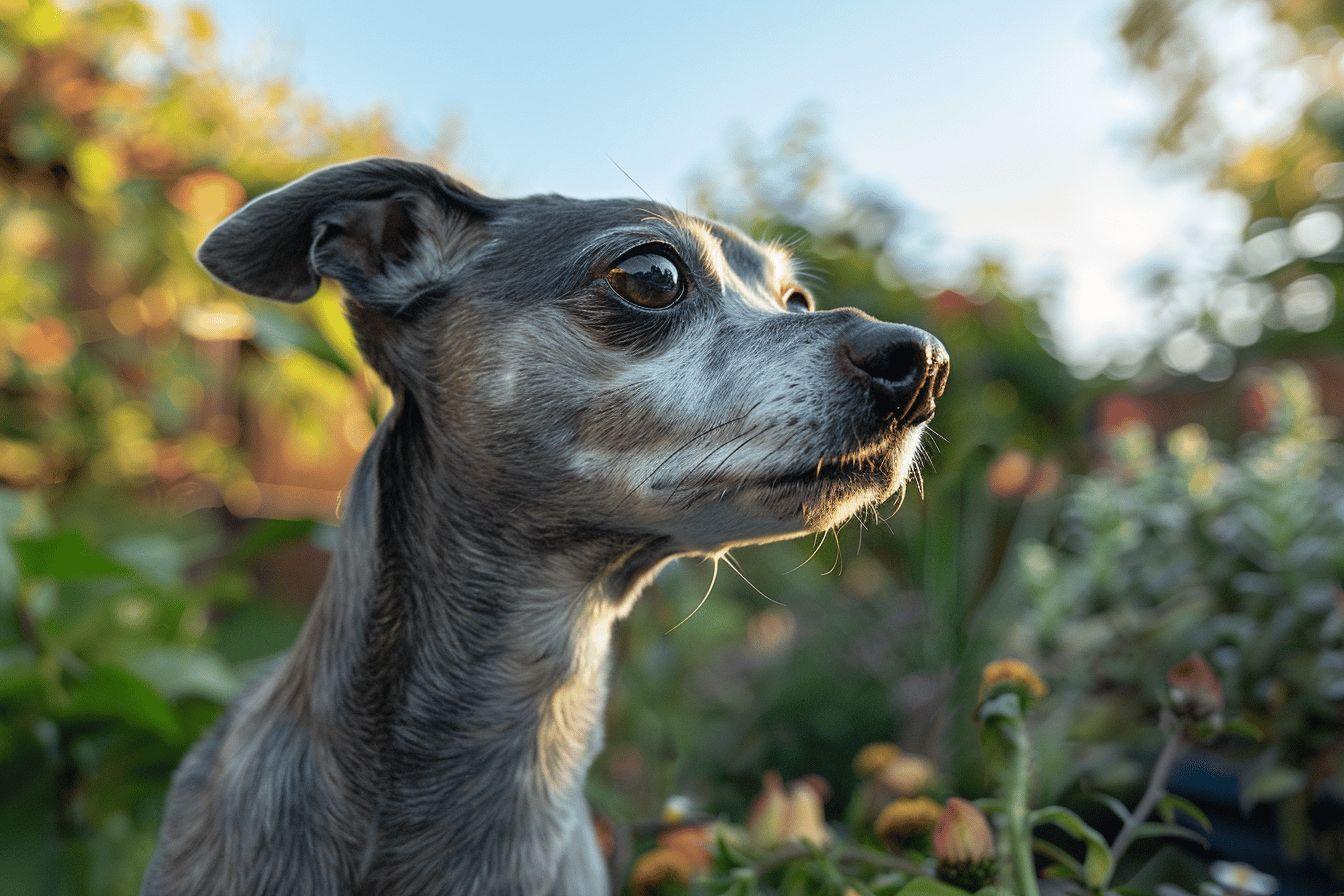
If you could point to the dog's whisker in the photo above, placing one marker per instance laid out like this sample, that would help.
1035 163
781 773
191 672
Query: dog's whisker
714 577
816 546
631 179
838 561
692 440
749 436
728 558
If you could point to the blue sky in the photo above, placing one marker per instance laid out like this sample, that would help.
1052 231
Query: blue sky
1004 123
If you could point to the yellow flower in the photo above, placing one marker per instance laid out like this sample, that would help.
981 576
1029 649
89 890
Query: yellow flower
1003 676
905 819
906 775
658 867
874 757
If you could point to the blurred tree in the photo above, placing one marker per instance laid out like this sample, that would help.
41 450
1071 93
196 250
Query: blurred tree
1251 95
136 390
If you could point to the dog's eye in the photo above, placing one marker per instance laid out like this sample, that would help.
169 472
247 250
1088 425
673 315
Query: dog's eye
798 300
648 279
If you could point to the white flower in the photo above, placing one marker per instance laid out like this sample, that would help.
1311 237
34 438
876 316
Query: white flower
1242 880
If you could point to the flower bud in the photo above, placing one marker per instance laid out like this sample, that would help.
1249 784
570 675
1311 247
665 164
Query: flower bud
964 846
781 815
807 818
1195 691
769 811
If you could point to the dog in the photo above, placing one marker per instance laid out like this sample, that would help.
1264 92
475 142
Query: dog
584 391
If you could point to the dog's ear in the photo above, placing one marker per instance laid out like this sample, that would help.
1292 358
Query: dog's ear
386 229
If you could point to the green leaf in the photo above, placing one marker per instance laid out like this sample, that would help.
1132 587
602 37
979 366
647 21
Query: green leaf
269 534
1151 829
1097 858
67 556
109 692
927 886
1059 856
1244 728
1170 804
1275 783
1110 802
185 672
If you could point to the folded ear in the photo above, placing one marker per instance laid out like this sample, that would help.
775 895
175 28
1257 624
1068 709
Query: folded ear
388 230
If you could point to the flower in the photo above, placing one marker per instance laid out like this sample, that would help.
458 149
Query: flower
1195 691
962 834
1012 676
905 819
694 842
872 758
906 775
780 814
677 808
964 846
657 867
1240 879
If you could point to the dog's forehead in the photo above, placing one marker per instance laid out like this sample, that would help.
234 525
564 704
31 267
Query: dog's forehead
590 230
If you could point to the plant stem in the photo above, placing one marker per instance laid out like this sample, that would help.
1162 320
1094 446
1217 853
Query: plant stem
1016 789
1157 788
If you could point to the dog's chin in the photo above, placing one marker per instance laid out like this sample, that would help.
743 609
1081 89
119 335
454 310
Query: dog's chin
803 498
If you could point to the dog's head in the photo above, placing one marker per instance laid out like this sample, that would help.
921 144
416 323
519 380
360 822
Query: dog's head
604 365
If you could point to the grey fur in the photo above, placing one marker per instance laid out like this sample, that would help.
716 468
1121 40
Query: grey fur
550 449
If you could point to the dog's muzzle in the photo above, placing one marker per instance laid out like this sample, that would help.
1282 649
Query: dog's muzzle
903 368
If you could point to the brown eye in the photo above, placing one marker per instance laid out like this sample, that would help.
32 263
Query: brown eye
648 279
798 300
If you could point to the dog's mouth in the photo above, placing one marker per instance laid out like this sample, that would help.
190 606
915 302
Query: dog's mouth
872 465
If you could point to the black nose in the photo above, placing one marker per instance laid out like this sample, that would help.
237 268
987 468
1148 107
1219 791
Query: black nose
904 369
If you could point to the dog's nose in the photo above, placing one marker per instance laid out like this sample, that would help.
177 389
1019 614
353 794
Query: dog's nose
904 368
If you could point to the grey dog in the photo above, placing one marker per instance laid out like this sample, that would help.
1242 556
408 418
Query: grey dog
585 390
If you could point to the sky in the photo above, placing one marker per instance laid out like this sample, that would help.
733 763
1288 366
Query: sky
1009 126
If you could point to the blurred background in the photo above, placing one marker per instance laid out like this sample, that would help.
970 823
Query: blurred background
1125 218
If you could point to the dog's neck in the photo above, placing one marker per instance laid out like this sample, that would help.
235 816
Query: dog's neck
461 671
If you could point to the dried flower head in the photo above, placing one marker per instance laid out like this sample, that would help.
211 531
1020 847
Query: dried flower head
906 819
1015 676
658 867
874 757
906 775
1195 690
963 844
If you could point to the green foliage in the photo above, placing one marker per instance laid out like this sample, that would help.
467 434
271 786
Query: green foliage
109 670
1233 551
782 851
